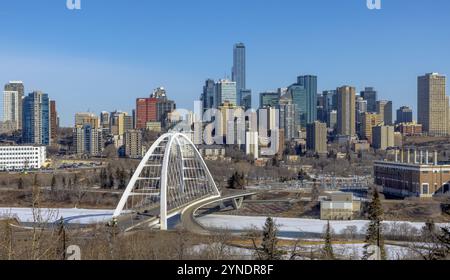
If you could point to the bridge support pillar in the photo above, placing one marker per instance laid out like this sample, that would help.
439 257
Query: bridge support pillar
237 203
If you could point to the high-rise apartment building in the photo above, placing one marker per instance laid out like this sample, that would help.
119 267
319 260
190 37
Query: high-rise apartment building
404 115
288 121
433 104
370 95
54 123
239 71
88 140
316 137
36 119
11 108
133 143
14 102
87 118
346 118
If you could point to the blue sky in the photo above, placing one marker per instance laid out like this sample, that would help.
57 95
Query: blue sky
113 51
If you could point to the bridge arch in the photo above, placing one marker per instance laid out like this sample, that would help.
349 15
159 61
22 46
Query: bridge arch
171 176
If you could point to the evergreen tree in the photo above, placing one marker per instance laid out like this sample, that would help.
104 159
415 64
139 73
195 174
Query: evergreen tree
269 250
122 179
103 178
111 181
75 179
374 236
328 253
62 239
20 184
236 181
53 183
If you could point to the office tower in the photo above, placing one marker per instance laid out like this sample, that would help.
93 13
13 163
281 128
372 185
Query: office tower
322 115
163 104
316 137
309 82
105 123
88 140
433 104
133 115
225 93
370 95
153 109
304 96
384 109
36 119
87 118
145 112
118 123
346 111
287 117
16 87
246 99
361 108
298 94
269 99
208 95
404 115
133 143
11 108
238 71
53 123
128 123
383 137
368 122
332 119
330 100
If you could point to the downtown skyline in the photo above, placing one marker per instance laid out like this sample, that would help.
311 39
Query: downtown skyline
95 75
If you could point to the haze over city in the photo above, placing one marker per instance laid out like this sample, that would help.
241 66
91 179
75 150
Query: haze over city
110 52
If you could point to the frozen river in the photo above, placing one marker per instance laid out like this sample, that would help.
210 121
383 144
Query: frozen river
51 215
288 227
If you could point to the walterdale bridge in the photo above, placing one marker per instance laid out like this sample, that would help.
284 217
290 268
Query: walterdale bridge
172 179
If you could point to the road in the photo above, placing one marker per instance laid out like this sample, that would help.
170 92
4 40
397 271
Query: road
188 215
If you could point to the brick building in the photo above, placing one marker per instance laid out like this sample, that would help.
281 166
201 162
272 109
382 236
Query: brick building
413 175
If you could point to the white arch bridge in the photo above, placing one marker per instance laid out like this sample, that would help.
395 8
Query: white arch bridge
171 177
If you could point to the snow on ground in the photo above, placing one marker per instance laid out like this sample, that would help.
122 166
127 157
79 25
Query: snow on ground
240 223
50 215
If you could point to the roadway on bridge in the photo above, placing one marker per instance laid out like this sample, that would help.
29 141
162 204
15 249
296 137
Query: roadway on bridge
188 215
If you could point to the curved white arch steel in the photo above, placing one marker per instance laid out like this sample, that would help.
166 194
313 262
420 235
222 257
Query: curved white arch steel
172 174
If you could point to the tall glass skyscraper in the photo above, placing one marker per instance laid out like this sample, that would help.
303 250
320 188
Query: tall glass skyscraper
36 119
309 82
208 94
370 94
304 96
298 94
238 71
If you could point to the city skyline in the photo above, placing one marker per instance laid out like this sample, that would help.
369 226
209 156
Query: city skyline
117 76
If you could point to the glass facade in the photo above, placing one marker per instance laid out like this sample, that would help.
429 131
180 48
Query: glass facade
239 75
36 119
